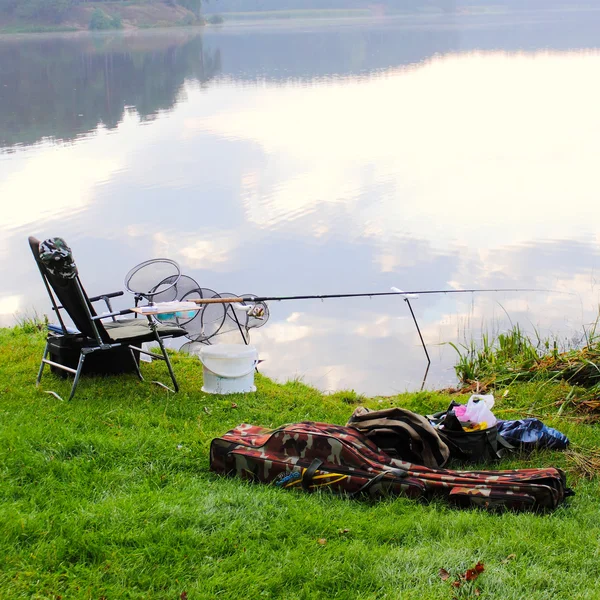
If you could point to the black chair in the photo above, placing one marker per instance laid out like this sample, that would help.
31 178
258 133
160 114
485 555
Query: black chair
121 338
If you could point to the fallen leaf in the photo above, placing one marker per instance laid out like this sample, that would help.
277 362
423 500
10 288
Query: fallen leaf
477 592
509 558
234 405
183 596
474 573
443 574
322 541
343 531
456 584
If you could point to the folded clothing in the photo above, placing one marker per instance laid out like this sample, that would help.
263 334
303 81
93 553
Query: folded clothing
530 434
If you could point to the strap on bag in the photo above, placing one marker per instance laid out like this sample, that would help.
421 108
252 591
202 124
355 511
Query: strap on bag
307 478
308 475
368 485
505 445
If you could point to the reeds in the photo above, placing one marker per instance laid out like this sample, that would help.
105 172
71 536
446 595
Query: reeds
584 462
515 357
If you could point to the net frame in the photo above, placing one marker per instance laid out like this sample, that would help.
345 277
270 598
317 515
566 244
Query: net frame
196 325
170 281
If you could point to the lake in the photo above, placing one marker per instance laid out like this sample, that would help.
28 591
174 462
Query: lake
319 157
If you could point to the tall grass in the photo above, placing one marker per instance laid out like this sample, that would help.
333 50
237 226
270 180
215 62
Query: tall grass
514 356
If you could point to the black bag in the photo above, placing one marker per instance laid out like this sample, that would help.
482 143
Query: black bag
482 446
67 349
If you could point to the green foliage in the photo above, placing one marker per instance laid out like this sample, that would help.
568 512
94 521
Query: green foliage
188 19
215 19
32 324
101 21
56 11
50 10
110 495
492 358
194 5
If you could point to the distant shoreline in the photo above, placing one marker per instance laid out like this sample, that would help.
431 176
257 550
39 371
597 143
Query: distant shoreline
152 17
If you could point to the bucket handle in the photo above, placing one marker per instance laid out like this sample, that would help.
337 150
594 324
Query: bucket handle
236 375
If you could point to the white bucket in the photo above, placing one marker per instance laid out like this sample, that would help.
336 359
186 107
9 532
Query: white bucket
228 368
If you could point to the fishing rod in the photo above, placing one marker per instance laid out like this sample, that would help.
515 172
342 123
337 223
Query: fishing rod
406 296
257 299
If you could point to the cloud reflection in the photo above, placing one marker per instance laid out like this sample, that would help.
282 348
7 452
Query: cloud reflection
460 143
474 169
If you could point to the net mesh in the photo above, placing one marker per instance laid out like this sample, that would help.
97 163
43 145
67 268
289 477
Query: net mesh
160 280
202 326
153 278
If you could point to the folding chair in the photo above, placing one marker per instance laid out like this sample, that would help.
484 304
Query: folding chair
92 335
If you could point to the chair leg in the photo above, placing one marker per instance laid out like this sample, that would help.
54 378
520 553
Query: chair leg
42 365
135 363
166 357
77 375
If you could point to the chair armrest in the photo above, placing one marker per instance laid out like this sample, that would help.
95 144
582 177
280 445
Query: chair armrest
106 298
126 311
103 296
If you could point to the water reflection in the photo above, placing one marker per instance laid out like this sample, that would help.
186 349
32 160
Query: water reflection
64 86
322 161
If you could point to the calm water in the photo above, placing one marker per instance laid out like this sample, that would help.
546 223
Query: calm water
326 157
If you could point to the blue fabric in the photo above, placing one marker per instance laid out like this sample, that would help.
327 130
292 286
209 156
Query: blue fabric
532 433
59 329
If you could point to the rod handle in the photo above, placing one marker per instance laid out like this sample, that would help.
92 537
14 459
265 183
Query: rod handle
217 300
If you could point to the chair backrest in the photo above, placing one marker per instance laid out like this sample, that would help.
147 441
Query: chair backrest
71 296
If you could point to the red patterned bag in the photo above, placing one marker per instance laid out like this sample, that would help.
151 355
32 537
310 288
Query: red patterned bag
311 455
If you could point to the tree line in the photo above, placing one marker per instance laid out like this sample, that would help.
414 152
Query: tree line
56 11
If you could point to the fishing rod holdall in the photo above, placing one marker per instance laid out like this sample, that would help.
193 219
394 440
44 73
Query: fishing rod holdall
309 456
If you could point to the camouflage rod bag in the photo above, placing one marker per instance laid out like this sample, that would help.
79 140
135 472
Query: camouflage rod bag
311 455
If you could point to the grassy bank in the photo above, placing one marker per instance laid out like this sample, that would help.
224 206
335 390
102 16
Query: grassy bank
109 496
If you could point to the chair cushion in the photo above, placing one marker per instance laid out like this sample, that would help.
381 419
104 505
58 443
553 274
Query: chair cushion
130 329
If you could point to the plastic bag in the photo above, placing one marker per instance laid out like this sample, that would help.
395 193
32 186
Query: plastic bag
479 410
528 434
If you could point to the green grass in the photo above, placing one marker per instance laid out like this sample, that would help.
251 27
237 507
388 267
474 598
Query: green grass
109 496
